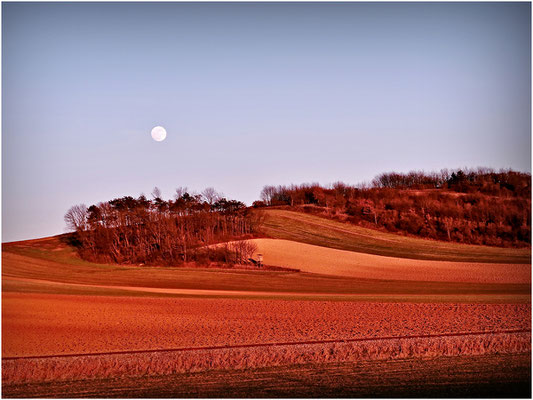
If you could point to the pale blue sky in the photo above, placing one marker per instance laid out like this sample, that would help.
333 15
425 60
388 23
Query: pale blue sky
251 94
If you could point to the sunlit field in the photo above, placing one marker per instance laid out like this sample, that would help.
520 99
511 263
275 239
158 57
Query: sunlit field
93 327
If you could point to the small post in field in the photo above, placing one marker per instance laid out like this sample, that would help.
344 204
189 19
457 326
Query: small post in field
259 260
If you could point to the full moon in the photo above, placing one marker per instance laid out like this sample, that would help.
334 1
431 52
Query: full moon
159 133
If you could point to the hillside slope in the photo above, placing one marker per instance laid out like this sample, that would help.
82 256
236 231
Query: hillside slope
37 266
324 260
311 229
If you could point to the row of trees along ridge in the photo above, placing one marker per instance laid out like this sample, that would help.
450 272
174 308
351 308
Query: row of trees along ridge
478 206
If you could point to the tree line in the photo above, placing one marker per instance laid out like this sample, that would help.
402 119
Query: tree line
479 206
168 232
481 180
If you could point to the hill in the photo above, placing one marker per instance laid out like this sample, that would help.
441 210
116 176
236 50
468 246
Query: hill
323 260
474 207
67 321
52 265
479 207
315 230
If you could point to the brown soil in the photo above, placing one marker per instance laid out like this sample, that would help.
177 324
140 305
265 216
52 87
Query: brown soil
38 324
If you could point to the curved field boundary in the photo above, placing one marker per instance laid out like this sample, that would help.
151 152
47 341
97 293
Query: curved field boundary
151 363
320 231
328 261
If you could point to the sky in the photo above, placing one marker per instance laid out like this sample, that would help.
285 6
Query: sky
251 94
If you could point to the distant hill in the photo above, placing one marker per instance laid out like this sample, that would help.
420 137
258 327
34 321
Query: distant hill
312 229
480 207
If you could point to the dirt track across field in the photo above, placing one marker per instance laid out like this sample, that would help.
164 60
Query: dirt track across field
126 364
505 333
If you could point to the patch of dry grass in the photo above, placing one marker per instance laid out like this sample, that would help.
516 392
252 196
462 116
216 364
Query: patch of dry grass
172 362
480 376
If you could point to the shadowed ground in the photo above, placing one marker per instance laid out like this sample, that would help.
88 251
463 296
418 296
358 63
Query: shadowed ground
486 376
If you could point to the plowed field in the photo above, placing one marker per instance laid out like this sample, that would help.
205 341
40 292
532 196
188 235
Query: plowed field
139 324
37 324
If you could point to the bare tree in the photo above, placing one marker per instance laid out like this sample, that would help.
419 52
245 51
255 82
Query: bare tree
241 251
180 191
211 195
156 193
76 218
267 194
